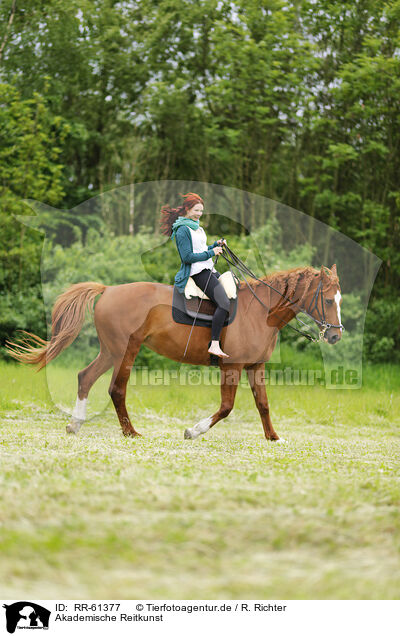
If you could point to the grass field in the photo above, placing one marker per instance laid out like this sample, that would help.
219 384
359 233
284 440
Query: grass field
228 515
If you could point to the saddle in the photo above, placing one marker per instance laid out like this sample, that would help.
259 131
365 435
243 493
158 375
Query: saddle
185 306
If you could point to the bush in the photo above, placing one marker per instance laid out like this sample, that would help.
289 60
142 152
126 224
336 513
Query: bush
382 339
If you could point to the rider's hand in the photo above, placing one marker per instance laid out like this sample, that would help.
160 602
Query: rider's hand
217 250
221 242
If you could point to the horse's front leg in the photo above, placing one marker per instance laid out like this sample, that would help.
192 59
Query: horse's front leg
256 375
230 376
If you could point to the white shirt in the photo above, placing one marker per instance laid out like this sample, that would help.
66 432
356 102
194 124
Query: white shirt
199 242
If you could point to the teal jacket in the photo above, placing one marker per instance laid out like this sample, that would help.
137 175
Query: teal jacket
184 244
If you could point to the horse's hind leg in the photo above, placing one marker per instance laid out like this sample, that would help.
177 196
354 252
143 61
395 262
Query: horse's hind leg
230 376
119 381
86 378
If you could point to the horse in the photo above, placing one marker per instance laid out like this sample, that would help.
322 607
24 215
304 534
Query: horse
130 315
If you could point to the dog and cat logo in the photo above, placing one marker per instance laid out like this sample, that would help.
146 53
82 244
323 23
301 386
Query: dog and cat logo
26 615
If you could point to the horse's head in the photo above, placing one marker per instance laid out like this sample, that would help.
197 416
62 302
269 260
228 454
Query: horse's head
322 302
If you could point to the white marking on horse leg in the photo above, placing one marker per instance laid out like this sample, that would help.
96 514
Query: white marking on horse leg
338 297
199 429
79 412
78 416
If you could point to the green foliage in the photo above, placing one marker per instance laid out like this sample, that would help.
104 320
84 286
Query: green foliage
382 331
28 166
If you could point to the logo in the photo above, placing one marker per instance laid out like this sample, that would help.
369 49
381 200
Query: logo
26 615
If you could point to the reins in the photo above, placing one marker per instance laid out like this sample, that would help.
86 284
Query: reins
234 261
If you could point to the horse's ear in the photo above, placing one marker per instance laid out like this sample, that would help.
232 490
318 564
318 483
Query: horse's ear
333 270
323 272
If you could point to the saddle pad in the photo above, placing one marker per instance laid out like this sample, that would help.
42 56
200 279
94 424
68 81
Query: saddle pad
185 315
226 279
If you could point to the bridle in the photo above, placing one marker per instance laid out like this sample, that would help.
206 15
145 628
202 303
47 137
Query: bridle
321 320
318 298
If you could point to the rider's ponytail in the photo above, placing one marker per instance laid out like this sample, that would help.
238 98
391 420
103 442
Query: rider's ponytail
169 215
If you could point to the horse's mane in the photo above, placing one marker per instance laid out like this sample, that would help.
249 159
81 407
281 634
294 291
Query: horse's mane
286 281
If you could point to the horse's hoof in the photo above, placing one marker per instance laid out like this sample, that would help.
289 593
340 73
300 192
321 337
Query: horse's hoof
187 434
74 426
131 434
281 440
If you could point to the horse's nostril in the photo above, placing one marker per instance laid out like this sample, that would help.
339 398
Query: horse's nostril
334 339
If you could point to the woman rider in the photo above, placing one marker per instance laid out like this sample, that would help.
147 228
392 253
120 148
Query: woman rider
182 223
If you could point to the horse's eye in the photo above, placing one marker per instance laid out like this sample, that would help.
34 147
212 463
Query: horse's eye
329 302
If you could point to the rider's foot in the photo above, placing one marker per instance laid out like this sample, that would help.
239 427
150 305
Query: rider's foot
216 350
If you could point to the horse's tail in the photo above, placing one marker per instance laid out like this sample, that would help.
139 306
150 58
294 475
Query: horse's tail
66 322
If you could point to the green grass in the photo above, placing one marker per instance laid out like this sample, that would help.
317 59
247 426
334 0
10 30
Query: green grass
228 515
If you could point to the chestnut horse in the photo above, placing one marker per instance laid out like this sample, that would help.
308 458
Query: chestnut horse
129 316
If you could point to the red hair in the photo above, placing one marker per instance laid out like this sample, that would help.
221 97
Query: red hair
169 215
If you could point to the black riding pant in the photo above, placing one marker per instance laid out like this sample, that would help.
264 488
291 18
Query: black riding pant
217 294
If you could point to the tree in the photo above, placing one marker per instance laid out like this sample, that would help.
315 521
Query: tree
29 166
